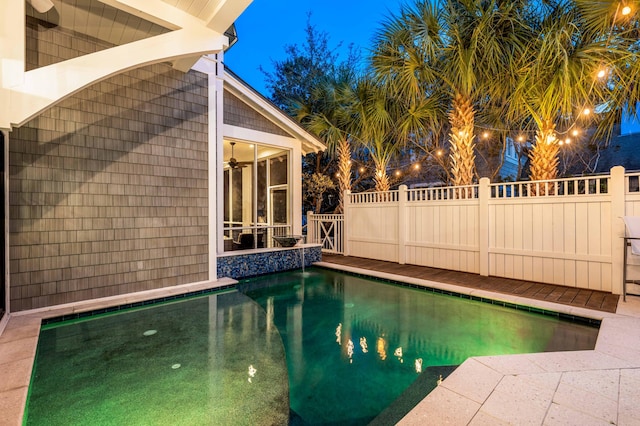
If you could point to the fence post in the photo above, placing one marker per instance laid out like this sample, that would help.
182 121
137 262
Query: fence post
483 224
311 228
346 203
618 198
402 223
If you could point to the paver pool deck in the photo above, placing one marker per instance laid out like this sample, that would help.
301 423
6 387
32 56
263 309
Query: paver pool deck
596 387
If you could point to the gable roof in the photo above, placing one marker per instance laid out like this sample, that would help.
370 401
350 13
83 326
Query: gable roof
622 151
271 112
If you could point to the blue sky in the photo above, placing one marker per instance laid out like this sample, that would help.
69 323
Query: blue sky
266 26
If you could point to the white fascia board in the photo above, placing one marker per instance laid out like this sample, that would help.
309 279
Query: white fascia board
309 142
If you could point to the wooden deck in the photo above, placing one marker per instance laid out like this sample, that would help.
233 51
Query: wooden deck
590 299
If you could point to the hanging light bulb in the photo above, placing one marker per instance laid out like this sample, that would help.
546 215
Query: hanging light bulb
575 133
520 138
586 111
417 166
361 169
601 73
567 141
397 172
485 135
626 10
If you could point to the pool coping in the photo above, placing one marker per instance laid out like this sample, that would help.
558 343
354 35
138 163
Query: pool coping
483 390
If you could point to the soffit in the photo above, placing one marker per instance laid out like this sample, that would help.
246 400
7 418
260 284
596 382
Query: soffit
119 22
98 20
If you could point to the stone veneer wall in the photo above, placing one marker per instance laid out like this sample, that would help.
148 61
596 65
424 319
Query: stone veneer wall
239 266
108 189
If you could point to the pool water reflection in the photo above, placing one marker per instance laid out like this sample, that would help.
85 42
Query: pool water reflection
354 345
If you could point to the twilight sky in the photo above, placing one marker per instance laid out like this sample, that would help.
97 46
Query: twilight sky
267 26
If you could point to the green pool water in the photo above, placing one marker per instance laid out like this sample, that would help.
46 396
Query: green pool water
314 347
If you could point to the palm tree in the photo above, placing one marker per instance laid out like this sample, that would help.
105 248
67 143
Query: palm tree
383 122
559 81
619 22
466 48
331 121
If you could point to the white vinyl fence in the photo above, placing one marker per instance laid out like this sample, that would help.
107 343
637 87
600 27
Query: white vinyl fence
567 231
328 230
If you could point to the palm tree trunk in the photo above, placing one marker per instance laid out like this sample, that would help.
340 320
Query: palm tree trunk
462 155
544 155
381 178
344 171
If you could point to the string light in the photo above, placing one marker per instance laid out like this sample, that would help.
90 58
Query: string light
485 135
626 10
602 73
417 167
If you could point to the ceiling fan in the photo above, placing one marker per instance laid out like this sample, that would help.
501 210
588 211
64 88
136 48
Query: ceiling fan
233 163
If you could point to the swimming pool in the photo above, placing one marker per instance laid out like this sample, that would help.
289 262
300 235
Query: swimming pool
319 347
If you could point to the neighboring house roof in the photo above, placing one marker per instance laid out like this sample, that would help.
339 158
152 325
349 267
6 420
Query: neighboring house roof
271 112
622 151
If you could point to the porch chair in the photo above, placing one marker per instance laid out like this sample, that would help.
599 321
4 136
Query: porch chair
244 241
631 239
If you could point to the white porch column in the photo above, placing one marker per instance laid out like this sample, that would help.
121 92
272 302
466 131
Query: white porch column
216 201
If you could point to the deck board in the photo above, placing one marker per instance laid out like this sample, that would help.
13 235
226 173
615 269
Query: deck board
583 298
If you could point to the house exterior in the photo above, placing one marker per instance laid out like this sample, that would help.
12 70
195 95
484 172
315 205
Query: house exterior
116 123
